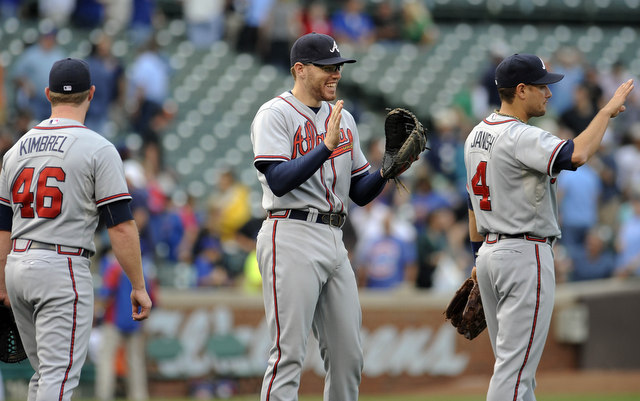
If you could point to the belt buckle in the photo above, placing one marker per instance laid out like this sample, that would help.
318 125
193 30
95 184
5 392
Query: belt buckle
333 219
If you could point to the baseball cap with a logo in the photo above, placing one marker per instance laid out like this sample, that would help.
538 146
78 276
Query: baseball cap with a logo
317 48
69 75
526 69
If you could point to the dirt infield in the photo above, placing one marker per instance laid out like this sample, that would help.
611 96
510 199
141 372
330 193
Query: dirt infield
551 383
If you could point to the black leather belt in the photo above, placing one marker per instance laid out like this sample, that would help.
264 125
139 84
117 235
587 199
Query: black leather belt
60 249
332 219
528 237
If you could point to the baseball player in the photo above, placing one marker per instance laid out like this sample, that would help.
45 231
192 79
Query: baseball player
56 181
512 169
310 163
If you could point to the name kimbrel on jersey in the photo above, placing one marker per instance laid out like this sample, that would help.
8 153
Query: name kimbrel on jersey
483 140
43 143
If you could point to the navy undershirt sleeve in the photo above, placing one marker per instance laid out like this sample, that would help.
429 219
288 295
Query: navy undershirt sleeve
115 213
365 187
283 177
6 218
563 160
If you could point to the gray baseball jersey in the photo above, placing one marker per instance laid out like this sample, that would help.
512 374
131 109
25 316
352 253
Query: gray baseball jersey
513 193
509 170
50 205
55 178
284 129
312 288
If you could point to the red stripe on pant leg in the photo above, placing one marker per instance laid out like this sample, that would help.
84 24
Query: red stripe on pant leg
275 306
533 327
73 329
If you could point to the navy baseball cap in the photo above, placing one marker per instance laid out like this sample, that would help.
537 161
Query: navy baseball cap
317 48
526 69
69 75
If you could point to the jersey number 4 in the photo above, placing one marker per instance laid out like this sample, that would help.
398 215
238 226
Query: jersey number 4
48 199
480 187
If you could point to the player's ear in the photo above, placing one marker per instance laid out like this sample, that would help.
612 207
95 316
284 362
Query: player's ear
92 91
520 90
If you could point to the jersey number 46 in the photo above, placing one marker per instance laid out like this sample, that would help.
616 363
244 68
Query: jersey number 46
48 199
480 187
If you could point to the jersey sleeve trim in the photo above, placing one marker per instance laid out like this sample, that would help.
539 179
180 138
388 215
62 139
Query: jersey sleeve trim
270 158
360 170
60 127
554 154
113 198
5 201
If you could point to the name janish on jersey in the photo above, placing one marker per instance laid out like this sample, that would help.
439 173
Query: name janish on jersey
43 143
483 140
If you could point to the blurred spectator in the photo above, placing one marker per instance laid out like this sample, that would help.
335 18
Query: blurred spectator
141 24
231 199
485 96
88 13
594 260
628 239
353 25
579 195
118 328
209 262
628 161
246 237
568 61
388 261
424 197
282 28
417 24
30 73
387 22
441 251
581 112
9 9
117 14
107 74
148 86
610 80
315 18
3 98
205 21
58 11
251 39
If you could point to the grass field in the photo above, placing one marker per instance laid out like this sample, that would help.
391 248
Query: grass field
406 397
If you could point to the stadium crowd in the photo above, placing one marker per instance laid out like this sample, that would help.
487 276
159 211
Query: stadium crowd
417 238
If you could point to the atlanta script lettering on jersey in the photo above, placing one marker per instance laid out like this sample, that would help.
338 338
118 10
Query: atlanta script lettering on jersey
483 140
42 143
302 144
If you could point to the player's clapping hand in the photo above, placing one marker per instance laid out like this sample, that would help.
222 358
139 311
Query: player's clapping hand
616 105
333 130
140 304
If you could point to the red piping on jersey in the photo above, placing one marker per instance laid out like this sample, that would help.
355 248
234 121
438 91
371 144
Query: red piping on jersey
112 197
283 158
533 327
73 329
301 113
5 200
354 172
333 185
60 127
498 122
326 190
326 122
275 307
553 154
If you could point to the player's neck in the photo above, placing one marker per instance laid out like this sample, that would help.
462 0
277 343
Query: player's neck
305 98
71 112
509 112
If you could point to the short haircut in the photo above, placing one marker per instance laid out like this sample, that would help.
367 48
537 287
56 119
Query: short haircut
507 94
70 98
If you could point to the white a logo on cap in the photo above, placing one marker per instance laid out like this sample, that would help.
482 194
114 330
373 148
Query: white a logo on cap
543 66
335 47
66 88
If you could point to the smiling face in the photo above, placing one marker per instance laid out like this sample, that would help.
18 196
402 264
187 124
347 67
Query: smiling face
315 84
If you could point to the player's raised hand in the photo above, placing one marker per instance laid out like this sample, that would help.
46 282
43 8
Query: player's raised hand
140 304
615 105
333 129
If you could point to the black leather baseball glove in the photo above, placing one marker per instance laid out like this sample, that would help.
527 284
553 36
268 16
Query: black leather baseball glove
465 309
405 139
11 349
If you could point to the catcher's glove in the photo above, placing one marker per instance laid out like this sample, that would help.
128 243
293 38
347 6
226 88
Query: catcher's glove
11 349
405 139
465 309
